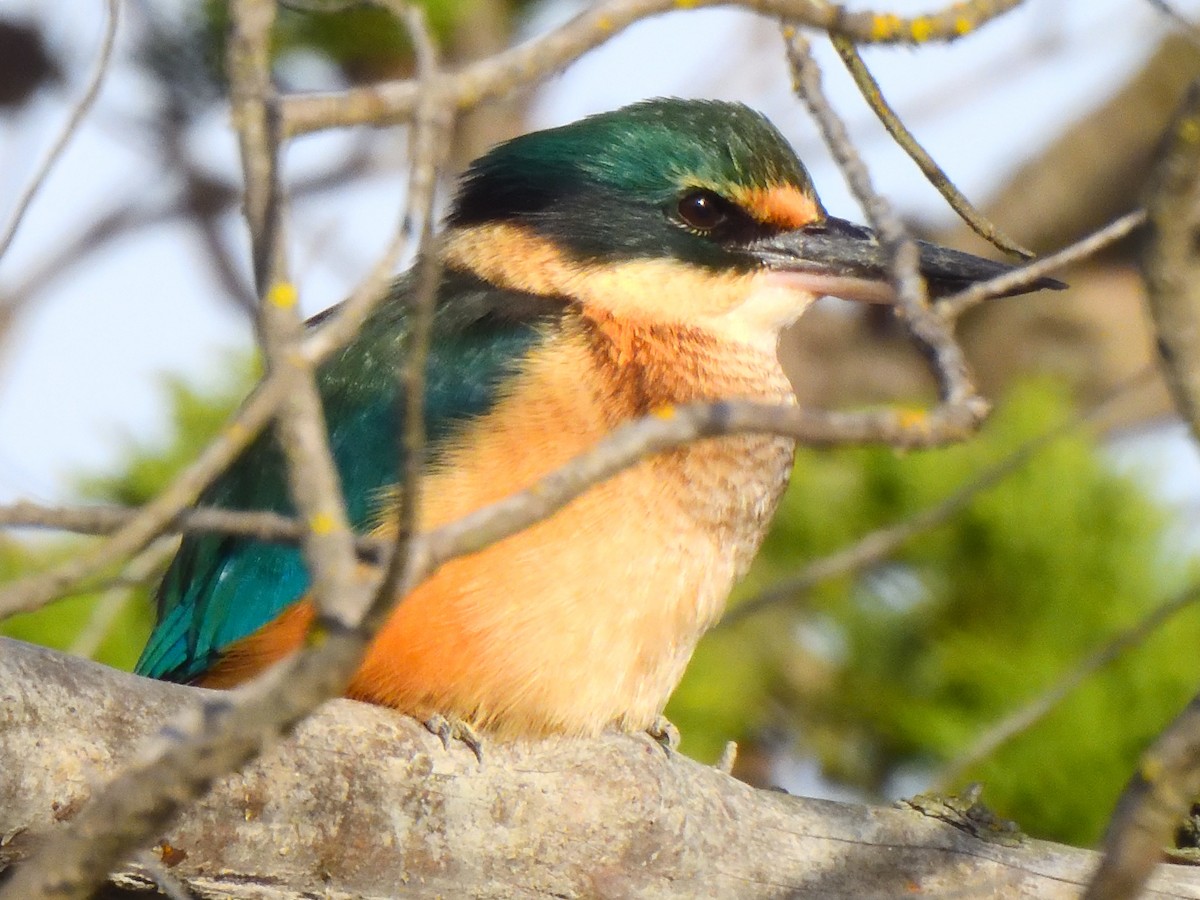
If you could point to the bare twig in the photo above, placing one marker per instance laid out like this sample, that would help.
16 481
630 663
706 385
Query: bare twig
431 132
1170 261
1186 25
267 527
903 429
878 545
1168 777
507 72
77 115
955 305
1150 808
928 329
869 88
153 518
300 427
1021 720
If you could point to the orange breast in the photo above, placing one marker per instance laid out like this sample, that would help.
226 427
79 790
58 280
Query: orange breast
586 619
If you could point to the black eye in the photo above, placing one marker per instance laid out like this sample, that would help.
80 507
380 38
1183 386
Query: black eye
702 210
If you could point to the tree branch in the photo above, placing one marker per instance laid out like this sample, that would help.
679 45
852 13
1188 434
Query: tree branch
504 73
1168 777
362 802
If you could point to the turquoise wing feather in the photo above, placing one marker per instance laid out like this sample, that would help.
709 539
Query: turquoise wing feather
220 589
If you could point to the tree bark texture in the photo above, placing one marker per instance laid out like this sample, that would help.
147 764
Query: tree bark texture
362 802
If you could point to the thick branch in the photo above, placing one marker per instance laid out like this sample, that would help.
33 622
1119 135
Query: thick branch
363 802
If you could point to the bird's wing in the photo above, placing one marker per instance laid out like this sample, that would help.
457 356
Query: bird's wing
220 589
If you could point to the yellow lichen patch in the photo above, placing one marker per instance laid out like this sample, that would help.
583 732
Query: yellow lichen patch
922 29
913 418
884 26
316 635
283 294
322 523
782 205
665 412
963 26
1151 769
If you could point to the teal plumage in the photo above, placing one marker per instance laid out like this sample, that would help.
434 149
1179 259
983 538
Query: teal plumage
221 589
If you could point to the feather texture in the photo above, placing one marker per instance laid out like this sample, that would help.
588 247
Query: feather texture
220 589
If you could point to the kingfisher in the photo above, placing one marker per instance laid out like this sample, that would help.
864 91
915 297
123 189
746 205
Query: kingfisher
591 274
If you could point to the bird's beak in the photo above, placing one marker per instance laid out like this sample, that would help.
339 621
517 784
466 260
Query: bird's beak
837 258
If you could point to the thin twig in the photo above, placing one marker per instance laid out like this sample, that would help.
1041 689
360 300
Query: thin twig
312 478
1150 808
878 545
429 143
1168 776
78 113
1170 261
504 73
1024 718
152 519
955 305
1186 25
928 329
869 88
265 527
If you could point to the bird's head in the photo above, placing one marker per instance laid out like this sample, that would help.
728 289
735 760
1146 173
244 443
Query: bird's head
673 212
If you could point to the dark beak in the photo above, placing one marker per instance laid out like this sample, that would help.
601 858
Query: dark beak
840 259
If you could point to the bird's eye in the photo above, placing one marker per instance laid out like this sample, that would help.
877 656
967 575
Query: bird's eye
702 210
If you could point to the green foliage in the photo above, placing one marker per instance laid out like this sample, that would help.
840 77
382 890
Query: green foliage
902 666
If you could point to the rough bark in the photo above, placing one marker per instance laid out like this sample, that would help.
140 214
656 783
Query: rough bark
361 802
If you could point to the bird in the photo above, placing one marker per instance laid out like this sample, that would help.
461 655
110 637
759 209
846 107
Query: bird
590 274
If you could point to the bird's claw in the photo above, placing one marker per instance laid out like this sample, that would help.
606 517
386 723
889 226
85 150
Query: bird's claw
455 729
665 734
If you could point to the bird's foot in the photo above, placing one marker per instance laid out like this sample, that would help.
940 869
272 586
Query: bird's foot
456 729
665 734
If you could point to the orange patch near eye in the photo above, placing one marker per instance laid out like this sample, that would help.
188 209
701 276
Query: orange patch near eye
781 205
